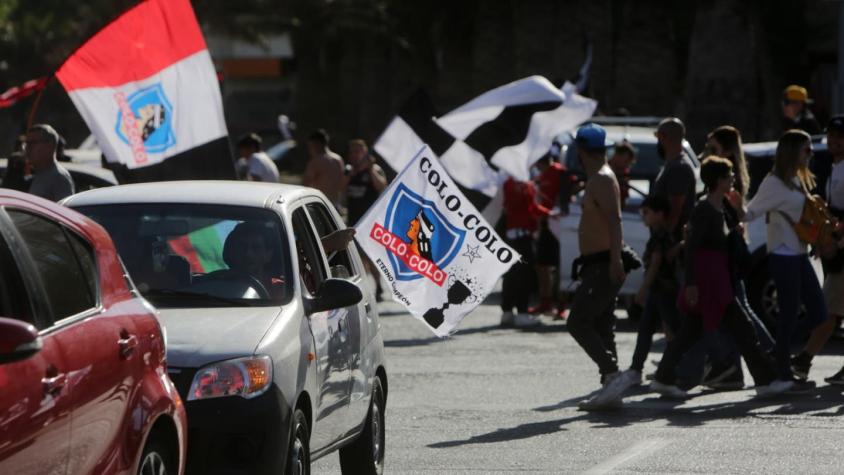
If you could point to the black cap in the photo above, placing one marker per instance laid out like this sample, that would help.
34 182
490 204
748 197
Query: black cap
836 124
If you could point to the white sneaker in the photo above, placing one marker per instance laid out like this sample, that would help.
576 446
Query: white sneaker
599 402
507 319
619 382
776 386
524 320
634 377
608 378
668 390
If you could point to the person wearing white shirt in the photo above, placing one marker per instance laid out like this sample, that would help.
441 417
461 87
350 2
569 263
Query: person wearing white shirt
833 286
780 199
255 164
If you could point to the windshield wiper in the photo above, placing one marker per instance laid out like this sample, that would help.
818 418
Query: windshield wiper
196 296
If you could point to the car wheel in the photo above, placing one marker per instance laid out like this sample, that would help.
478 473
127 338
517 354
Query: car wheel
763 297
157 459
299 452
366 454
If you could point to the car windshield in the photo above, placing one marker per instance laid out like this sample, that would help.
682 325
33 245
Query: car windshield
200 255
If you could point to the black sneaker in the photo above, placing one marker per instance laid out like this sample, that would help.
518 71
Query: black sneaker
802 386
800 366
837 378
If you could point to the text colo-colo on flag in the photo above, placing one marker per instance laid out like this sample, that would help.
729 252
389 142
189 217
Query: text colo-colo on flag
439 255
146 86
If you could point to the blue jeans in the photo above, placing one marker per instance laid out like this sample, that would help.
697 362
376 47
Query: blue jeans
797 284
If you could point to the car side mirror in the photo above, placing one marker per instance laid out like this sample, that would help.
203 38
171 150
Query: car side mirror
333 294
18 340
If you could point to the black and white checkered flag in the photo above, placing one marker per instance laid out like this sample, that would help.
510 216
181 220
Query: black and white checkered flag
512 126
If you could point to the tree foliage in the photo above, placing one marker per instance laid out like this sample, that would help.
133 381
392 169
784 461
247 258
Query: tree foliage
37 35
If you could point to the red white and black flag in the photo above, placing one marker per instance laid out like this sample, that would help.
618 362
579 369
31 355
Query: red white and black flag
147 89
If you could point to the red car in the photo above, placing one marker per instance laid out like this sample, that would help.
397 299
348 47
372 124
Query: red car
83 376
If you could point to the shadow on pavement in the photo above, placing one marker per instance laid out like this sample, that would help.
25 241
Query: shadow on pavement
825 398
408 342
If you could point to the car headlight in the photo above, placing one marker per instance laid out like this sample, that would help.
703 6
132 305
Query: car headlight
245 377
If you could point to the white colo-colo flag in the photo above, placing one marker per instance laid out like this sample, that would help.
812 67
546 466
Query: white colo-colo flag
438 254
147 89
512 126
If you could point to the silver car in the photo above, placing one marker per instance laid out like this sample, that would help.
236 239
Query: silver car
274 338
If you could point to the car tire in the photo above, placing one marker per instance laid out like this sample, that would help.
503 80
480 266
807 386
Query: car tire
157 458
365 455
299 451
762 296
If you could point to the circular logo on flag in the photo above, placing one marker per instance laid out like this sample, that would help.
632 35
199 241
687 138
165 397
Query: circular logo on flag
424 229
146 116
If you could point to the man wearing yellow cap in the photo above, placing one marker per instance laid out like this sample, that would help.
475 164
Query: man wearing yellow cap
795 114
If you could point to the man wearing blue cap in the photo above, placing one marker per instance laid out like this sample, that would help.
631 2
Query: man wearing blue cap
592 320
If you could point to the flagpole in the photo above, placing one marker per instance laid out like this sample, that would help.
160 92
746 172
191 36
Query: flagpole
37 102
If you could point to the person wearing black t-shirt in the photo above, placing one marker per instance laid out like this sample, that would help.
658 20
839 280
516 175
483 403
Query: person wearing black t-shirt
364 181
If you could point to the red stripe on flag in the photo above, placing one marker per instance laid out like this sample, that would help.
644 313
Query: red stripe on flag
183 247
14 94
146 39
401 249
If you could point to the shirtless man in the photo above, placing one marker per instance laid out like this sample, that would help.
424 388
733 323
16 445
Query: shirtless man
592 319
325 168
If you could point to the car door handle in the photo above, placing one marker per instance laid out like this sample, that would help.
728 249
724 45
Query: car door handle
367 307
127 346
53 385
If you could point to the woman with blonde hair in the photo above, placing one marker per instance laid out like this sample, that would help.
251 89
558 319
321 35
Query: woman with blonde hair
725 141
780 200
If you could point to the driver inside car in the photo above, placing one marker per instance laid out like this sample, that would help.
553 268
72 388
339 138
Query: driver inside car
249 250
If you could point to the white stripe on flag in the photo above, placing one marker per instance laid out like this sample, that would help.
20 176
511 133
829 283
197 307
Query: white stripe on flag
544 126
468 167
465 165
398 144
465 119
196 110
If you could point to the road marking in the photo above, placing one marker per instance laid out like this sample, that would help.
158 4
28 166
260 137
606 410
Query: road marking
636 451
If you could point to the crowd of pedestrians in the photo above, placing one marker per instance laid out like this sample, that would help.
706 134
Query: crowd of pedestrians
694 287
696 259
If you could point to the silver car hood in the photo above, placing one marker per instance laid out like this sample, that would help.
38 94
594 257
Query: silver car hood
198 336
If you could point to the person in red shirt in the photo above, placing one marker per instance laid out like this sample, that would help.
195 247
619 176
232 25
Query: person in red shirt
554 181
522 212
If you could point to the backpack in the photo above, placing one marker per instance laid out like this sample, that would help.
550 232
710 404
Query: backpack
816 225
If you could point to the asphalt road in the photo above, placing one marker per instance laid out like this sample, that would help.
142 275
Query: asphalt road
491 400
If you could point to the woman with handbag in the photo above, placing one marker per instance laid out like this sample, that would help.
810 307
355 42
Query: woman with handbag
708 297
833 264
781 198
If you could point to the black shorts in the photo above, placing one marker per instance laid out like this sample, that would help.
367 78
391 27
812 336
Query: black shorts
547 248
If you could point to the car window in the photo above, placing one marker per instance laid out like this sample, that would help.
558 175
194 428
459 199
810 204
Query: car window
87 262
199 255
339 263
67 287
311 270
14 299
